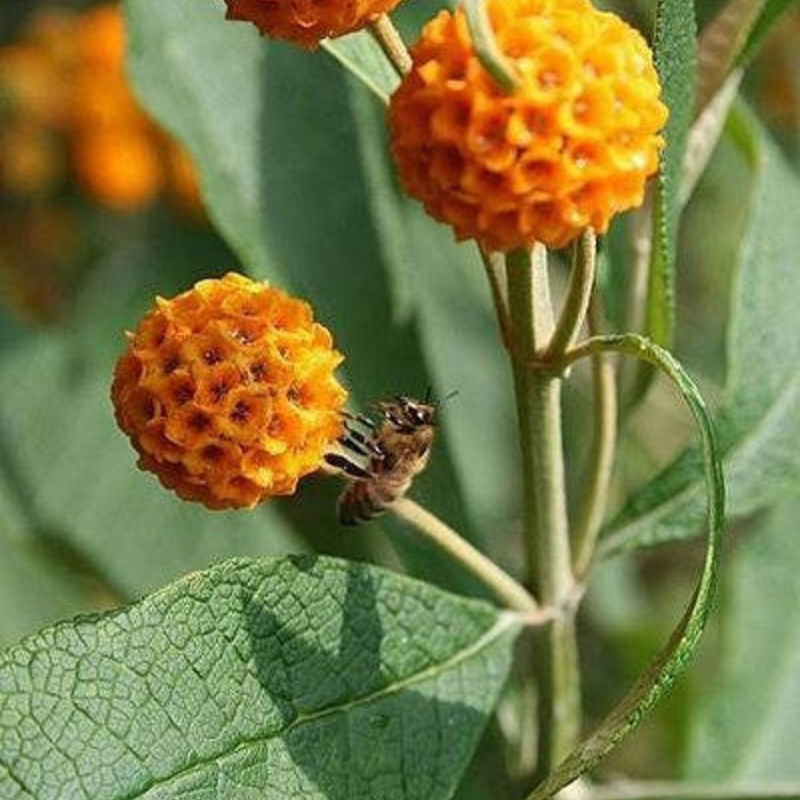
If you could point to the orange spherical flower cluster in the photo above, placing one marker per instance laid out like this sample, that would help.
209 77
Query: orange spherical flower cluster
228 392
571 146
66 95
307 22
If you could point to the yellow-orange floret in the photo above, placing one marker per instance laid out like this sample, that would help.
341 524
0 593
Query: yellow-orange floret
307 22
569 148
228 393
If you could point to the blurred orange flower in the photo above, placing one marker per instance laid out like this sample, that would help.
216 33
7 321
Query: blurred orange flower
307 22
64 83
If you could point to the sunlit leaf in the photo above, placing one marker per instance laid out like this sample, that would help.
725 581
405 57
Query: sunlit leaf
296 678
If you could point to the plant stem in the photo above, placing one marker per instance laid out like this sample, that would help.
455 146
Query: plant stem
392 44
601 456
493 265
579 292
538 396
513 595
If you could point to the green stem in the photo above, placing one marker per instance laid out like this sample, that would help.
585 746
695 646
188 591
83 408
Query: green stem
392 44
579 293
538 396
601 456
513 595
493 266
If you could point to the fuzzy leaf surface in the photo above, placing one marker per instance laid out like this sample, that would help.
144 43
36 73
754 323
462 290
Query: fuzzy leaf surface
759 424
675 56
301 677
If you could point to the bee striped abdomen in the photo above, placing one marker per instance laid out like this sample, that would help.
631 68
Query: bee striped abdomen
361 501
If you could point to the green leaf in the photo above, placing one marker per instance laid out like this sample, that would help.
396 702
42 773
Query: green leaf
297 678
360 54
296 176
675 53
721 44
675 50
746 720
444 286
56 591
673 659
760 420
772 10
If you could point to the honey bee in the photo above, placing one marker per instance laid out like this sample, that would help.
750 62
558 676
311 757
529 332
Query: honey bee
382 458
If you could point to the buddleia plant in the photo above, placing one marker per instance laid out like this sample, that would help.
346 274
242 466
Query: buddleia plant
455 304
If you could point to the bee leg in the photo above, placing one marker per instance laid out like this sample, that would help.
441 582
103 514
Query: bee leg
351 443
361 418
362 440
367 511
346 515
347 466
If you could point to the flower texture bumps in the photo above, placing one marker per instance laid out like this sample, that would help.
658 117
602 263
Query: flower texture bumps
307 22
571 146
228 392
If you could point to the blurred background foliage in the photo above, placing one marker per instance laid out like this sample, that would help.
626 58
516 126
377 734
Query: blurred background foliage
100 209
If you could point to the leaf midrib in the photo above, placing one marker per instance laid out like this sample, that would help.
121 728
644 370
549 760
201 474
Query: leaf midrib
506 621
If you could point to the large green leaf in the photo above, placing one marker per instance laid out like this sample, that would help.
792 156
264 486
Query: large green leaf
675 51
760 423
746 723
296 176
297 678
446 286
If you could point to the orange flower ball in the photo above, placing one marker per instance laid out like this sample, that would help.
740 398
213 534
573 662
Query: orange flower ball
307 22
118 167
228 392
569 148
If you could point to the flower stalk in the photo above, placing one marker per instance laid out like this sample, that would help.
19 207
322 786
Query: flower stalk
511 593
388 37
601 455
579 293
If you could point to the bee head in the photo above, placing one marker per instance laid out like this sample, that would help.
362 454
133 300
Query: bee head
408 414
